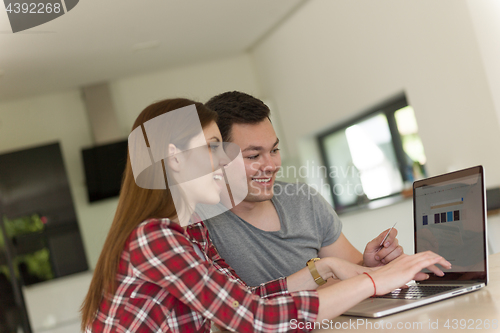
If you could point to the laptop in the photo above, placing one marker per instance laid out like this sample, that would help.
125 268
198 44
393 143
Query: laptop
449 217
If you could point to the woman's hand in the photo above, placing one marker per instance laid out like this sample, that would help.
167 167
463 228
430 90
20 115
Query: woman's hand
337 298
407 268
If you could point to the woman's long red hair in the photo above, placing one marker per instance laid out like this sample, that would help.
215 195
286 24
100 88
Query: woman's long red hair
134 206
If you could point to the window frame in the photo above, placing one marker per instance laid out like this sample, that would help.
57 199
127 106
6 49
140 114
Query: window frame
388 108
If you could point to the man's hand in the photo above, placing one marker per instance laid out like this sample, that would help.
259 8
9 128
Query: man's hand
375 255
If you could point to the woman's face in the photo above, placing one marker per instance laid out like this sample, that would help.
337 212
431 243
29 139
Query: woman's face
207 187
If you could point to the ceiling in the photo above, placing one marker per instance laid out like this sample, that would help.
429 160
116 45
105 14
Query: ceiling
105 40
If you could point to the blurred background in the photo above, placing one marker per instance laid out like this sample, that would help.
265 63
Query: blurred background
371 90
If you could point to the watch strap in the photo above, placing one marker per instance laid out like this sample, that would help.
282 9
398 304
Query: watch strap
314 272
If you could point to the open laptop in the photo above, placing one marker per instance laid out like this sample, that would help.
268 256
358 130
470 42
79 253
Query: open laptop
449 217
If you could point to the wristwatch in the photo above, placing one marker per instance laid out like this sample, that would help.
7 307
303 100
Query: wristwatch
314 272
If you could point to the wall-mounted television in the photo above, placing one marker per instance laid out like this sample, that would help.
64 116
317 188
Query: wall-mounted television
104 166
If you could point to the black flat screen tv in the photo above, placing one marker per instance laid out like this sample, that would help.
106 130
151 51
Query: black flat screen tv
104 166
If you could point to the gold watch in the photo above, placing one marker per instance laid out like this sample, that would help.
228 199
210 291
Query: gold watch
314 272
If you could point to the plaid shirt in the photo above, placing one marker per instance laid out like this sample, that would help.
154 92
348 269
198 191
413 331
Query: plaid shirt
164 286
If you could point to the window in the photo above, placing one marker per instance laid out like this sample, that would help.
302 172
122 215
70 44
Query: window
375 156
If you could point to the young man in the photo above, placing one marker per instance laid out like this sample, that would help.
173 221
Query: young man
278 227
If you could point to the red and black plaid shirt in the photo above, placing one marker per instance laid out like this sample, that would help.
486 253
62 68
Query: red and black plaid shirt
164 286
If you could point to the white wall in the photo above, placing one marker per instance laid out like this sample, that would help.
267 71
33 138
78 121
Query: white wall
485 16
62 117
334 59
198 82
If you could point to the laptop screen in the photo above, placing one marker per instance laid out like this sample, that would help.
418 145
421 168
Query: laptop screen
449 219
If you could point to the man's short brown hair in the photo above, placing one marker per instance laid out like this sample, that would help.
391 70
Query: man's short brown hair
234 107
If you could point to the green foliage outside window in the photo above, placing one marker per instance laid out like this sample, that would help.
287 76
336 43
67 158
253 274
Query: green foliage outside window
37 262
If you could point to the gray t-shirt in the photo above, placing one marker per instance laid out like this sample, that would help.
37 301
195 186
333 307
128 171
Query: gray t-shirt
308 223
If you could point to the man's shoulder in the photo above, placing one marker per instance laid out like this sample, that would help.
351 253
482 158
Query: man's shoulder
296 190
296 184
300 198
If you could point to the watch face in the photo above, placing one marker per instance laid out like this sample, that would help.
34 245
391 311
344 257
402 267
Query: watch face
312 260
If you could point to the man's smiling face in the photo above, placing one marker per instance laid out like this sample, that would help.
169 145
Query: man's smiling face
259 145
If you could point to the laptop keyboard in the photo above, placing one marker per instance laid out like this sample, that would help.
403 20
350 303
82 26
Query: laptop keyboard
416 292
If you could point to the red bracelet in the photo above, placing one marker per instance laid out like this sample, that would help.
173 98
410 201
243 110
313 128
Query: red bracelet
374 286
